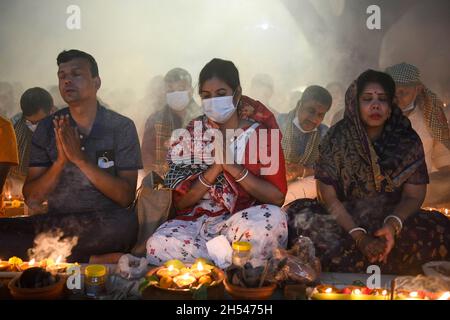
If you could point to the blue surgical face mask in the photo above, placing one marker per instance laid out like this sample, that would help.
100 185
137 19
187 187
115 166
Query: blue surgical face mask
219 109
178 100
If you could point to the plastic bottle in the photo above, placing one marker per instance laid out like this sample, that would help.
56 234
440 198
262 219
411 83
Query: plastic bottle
241 253
95 276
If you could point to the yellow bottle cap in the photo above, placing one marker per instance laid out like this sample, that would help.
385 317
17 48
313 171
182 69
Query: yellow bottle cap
95 270
242 245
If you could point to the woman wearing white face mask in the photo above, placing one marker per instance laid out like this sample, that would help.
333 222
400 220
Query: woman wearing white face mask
180 108
239 201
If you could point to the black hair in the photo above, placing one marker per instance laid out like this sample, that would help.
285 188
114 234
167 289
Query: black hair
178 74
222 69
69 55
316 93
384 79
35 99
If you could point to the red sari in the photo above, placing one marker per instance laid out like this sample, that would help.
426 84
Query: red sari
226 195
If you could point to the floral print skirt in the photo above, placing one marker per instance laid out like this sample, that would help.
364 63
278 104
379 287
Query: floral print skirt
264 226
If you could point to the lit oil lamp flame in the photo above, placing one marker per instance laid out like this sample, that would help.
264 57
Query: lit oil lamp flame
32 262
328 290
186 276
384 292
445 296
58 261
170 268
357 291
184 280
414 294
200 266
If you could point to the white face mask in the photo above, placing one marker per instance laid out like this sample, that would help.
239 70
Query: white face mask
219 109
31 126
178 100
410 107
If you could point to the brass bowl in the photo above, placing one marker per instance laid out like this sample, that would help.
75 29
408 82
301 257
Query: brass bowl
155 292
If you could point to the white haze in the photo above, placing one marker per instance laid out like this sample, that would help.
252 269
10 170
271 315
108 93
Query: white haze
134 41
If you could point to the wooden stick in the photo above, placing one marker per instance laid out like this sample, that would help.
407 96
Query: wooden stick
264 274
392 288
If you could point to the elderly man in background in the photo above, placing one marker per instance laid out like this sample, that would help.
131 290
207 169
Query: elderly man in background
425 111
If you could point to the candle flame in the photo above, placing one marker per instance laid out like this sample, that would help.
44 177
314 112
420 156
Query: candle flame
357 291
414 294
186 276
58 260
328 290
170 268
200 266
32 262
384 292
445 296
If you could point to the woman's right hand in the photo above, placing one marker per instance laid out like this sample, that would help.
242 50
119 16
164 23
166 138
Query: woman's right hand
371 247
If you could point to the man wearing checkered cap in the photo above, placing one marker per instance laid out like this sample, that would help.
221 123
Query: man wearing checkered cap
425 111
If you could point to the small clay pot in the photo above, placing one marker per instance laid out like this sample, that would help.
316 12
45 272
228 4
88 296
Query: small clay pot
241 293
52 292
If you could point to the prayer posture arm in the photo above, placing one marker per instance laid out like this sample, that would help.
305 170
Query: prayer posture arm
411 201
198 189
262 190
42 181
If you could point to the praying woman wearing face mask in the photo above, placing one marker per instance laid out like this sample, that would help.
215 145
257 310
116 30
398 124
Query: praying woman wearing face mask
222 107
234 195
221 95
